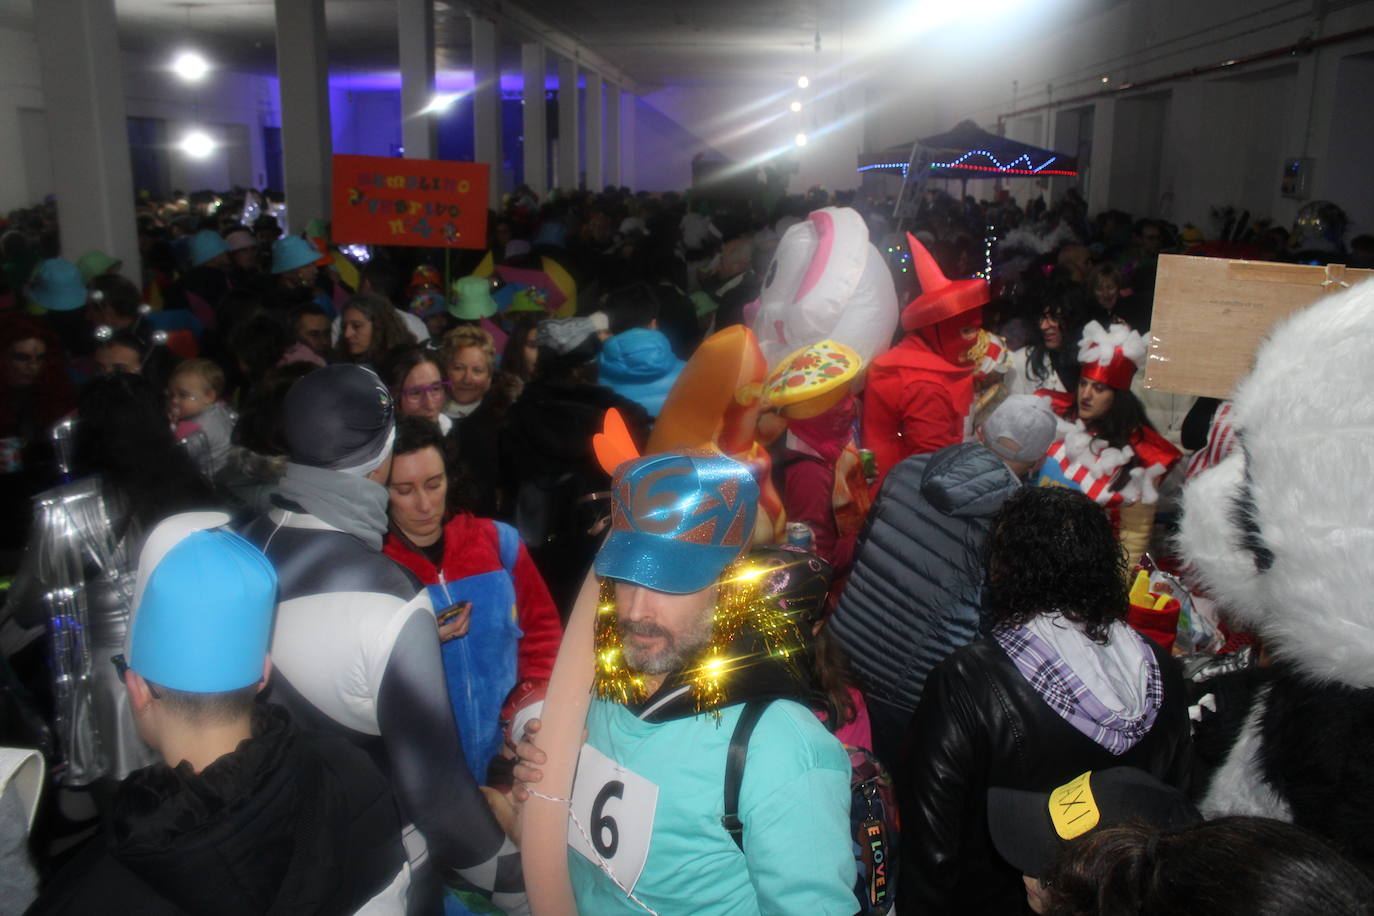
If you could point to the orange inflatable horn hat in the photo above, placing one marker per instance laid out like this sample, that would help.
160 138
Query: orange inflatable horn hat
940 296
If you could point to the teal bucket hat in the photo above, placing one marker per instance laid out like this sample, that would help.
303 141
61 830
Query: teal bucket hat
57 286
291 252
205 246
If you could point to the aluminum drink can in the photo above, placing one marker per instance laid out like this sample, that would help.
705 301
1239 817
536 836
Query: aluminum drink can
799 535
869 462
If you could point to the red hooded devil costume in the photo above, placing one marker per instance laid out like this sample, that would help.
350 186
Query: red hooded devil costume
919 392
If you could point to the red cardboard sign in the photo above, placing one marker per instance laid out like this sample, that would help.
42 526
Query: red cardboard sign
423 202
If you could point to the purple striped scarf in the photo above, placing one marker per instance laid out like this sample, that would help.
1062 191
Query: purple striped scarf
1057 684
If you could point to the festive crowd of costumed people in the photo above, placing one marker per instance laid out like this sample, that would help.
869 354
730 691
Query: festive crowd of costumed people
672 555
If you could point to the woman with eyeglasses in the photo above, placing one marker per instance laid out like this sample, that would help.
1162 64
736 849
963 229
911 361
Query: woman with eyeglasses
418 384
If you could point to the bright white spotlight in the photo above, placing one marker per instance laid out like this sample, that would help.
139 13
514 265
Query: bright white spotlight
197 144
795 106
801 140
190 66
803 82
441 102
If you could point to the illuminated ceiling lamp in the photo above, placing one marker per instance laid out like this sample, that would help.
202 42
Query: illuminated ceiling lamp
190 66
800 139
197 144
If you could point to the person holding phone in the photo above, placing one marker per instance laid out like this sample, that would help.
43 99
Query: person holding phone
497 623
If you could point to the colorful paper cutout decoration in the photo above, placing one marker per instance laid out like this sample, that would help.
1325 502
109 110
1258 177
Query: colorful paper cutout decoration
826 281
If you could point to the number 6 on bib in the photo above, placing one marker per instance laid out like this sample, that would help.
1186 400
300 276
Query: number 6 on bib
615 807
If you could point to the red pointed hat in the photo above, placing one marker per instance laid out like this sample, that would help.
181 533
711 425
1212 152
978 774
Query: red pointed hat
940 297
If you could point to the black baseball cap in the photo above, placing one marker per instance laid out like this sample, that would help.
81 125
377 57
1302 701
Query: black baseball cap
1030 828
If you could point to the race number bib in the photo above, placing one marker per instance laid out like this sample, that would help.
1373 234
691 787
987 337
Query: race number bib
615 807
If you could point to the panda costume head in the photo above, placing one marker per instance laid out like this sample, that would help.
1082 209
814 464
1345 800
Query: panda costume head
1282 531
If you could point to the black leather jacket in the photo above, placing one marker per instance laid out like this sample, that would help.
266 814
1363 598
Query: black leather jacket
980 724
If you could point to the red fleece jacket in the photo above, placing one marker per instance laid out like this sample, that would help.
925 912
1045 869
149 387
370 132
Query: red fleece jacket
471 547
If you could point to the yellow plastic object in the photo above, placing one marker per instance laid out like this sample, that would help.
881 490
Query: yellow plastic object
813 379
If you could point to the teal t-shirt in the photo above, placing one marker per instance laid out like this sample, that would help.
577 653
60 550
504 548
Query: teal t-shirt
794 802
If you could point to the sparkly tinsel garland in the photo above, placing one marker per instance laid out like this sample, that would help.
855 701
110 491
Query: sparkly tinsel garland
740 605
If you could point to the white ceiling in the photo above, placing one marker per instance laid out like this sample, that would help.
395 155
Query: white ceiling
655 42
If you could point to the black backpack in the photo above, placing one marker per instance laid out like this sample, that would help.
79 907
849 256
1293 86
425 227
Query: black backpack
873 819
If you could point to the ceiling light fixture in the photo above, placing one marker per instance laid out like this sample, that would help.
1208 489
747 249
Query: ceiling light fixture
803 82
197 144
441 102
795 106
801 139
190 66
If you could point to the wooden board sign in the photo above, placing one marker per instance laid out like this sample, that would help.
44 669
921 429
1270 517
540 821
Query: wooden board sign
421 202
1211 314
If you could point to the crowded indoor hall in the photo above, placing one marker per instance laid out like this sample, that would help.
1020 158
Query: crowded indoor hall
775 458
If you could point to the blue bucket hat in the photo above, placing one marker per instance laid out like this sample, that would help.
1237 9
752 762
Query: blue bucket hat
204 601
205 246
291 252
678 519
57 286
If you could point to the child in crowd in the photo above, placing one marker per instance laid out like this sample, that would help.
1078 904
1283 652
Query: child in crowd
193 404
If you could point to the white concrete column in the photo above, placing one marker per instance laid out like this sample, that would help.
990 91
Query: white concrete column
568 141
83 92
307 147
415 34
486 102
532 68
627 143
1104 133
613 134
594 124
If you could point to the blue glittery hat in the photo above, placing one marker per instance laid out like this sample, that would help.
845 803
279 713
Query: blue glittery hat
677 520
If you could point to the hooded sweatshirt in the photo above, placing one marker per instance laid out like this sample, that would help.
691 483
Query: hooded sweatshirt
639 364
917 401
289 822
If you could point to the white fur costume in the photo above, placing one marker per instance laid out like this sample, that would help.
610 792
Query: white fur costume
1282 534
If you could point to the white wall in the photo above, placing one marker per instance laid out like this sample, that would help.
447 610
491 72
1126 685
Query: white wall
1193 143
231 107
20 89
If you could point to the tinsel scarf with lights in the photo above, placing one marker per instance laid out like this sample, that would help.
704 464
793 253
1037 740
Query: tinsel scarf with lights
741 606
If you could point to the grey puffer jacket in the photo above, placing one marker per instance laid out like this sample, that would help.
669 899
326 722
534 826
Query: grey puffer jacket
915 594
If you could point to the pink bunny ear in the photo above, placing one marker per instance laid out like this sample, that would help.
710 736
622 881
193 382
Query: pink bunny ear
825 240
751 310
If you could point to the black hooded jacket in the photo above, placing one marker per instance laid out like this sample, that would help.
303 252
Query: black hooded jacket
290 822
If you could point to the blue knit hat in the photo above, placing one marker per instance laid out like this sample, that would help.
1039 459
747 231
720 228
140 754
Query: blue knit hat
203 605
206 245
291 252
57 286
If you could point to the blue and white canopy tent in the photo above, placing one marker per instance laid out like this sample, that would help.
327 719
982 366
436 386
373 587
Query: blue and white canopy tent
968 152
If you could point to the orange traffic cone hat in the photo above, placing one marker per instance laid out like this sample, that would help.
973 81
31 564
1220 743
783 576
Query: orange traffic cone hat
940 296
